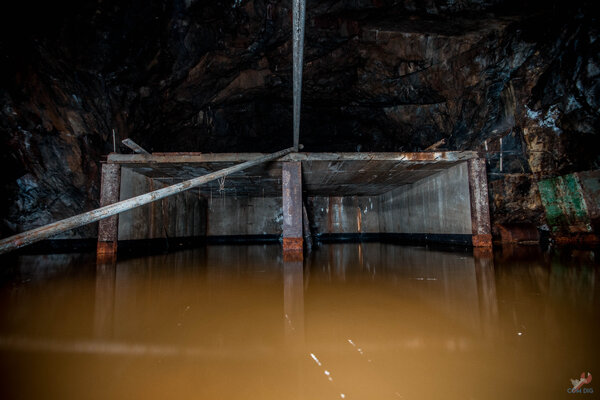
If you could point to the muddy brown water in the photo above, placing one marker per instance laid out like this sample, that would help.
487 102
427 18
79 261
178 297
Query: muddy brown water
353 321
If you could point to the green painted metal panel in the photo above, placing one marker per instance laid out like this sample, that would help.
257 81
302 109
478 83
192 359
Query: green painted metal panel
564 203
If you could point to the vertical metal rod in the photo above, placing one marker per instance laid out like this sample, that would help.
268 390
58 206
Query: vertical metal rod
500 154
299 11
114 142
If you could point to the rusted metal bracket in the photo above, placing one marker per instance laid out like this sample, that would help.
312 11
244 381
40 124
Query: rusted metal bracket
44 232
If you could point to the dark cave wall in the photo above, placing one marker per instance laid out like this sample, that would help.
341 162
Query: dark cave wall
216 77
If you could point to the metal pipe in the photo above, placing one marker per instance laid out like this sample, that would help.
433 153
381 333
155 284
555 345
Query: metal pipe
299 11
134 146
41 233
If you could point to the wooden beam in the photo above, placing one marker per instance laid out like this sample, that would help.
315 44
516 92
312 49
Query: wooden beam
44 232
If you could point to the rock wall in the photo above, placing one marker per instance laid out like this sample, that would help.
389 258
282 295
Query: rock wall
517 82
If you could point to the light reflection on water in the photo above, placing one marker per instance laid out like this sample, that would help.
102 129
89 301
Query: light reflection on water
361 321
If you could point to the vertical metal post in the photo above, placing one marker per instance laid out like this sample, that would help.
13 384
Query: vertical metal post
298 11
291 179
480 209
486 290
109 193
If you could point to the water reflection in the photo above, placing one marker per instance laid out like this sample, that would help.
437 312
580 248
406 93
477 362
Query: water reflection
363 320
293 300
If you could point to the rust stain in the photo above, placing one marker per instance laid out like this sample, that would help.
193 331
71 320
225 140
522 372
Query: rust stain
290 244
292 255
106 249
577 238
484 240
178 153
515 233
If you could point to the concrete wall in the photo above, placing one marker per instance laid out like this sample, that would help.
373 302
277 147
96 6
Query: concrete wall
181 215
439 204
188 214
244 216
353 214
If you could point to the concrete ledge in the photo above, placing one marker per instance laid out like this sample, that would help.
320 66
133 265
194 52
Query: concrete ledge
402 238
240 157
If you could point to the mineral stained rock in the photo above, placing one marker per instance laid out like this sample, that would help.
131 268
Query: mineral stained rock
517 82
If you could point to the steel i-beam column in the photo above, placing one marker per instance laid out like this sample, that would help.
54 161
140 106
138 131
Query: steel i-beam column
108 228
480 209
291 179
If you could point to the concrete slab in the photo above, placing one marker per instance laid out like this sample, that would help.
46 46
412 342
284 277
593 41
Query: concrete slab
324 174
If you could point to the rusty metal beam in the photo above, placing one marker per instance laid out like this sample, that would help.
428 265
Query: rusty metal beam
110 185
436 145
291 182
134 146
480 209
44 232
174 158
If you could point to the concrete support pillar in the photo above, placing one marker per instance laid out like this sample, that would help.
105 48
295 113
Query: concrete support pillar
480 209
110 187
291 178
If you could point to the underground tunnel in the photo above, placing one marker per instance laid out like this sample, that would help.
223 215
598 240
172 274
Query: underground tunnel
299 199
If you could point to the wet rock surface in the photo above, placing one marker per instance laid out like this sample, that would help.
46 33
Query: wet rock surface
518 83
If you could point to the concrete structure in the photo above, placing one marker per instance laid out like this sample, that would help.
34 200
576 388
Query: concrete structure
433 196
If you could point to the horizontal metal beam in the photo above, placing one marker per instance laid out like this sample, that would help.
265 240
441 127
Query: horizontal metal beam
44 232
417 157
